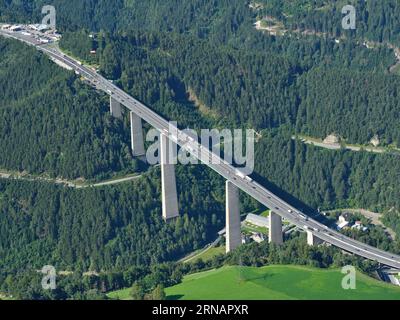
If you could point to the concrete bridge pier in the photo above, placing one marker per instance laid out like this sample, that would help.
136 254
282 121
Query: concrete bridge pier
115 108
275 228
233 223
168 181
137 142
313 240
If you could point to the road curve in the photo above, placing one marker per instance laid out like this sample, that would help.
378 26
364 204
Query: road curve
212 160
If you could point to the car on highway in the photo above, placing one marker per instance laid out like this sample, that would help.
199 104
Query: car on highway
303 216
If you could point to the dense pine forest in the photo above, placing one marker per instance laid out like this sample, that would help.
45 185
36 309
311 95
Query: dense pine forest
53 123
376 20
201 63
308 96
104 229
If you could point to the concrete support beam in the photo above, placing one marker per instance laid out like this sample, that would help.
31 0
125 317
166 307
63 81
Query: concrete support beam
233 223
313 240
275 228
168 181
137 141
115 108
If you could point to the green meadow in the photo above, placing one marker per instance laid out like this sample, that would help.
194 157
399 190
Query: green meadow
278 283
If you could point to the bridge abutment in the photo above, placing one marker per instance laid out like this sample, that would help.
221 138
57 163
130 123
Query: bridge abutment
168 181
275 228
115 108
233 223
137 142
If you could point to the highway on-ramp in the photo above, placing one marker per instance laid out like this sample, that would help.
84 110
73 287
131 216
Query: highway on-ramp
214 161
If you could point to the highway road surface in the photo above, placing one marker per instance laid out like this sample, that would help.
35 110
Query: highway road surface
223 168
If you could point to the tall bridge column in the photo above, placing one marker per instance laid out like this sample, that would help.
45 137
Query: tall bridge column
115 108
233 223
275 228
313 240
137 141
168 181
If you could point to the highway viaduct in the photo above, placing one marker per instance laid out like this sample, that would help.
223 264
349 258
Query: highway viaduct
316 232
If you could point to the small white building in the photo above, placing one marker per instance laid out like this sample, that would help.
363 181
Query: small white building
342 223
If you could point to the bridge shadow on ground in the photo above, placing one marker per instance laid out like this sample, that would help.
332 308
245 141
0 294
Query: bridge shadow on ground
290 199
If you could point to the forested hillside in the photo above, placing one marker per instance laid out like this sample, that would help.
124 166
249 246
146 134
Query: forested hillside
53 123
357 105
262 87
319 97
329 179
105 229
198 17
201 63
311 84
376 20
254 74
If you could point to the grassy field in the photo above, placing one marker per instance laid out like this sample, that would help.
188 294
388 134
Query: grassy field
124 294
249 228
278 283
265 213
211 253
204 254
